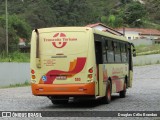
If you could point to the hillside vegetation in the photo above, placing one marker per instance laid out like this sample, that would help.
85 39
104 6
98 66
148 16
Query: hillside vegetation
26 15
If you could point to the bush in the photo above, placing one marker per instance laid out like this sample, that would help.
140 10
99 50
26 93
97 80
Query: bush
15 57
17 28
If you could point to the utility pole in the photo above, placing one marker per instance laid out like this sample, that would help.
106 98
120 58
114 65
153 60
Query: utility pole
6 5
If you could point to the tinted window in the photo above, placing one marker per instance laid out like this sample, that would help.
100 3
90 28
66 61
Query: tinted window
117 52
124 52
105 51
110 51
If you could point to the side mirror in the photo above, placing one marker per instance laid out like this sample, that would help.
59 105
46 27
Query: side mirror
134 53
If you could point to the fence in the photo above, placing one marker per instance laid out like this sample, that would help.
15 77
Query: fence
14 73
146 60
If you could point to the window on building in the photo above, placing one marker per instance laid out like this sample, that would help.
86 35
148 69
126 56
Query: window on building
129 38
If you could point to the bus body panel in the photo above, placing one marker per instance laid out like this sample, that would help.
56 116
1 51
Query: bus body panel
117 75
64 61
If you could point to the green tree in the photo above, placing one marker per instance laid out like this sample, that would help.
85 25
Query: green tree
2 40
111 20
72 12
17 28
39 13
153 8
104 19
133 12
80 13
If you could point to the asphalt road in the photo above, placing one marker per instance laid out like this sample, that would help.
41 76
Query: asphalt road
143 96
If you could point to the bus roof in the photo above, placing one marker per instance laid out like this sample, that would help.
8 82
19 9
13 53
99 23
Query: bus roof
60 29
121 38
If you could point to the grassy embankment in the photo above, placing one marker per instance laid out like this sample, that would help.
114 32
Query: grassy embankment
15 57
147 50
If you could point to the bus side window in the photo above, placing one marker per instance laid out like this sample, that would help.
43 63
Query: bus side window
124 52
117 52
104 51
127 47
110 52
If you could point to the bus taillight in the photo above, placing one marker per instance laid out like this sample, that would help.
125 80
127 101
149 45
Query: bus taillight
90 73
90 76
32 71
33 77
90 70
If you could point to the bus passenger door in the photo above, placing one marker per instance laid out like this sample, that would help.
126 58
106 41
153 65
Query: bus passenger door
98 53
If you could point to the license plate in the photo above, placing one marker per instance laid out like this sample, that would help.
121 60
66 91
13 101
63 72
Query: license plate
61 77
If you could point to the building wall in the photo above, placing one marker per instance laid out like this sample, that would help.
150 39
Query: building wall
131 35
152 37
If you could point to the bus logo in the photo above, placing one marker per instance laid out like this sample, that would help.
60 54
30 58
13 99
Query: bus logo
60 43
60 40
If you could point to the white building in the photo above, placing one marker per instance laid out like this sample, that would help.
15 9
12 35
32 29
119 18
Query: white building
140 33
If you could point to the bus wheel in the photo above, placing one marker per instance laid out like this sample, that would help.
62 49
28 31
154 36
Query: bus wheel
123 93
59 101
107 98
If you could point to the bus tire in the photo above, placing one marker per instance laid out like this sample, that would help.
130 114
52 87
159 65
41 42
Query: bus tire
59 101
107 98
122 93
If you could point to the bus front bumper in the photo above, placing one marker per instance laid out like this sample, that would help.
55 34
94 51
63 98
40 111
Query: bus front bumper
63 89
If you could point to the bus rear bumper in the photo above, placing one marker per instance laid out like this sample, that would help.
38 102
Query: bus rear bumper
63 89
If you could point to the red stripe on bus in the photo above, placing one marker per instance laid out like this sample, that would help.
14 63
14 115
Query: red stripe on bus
51 75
